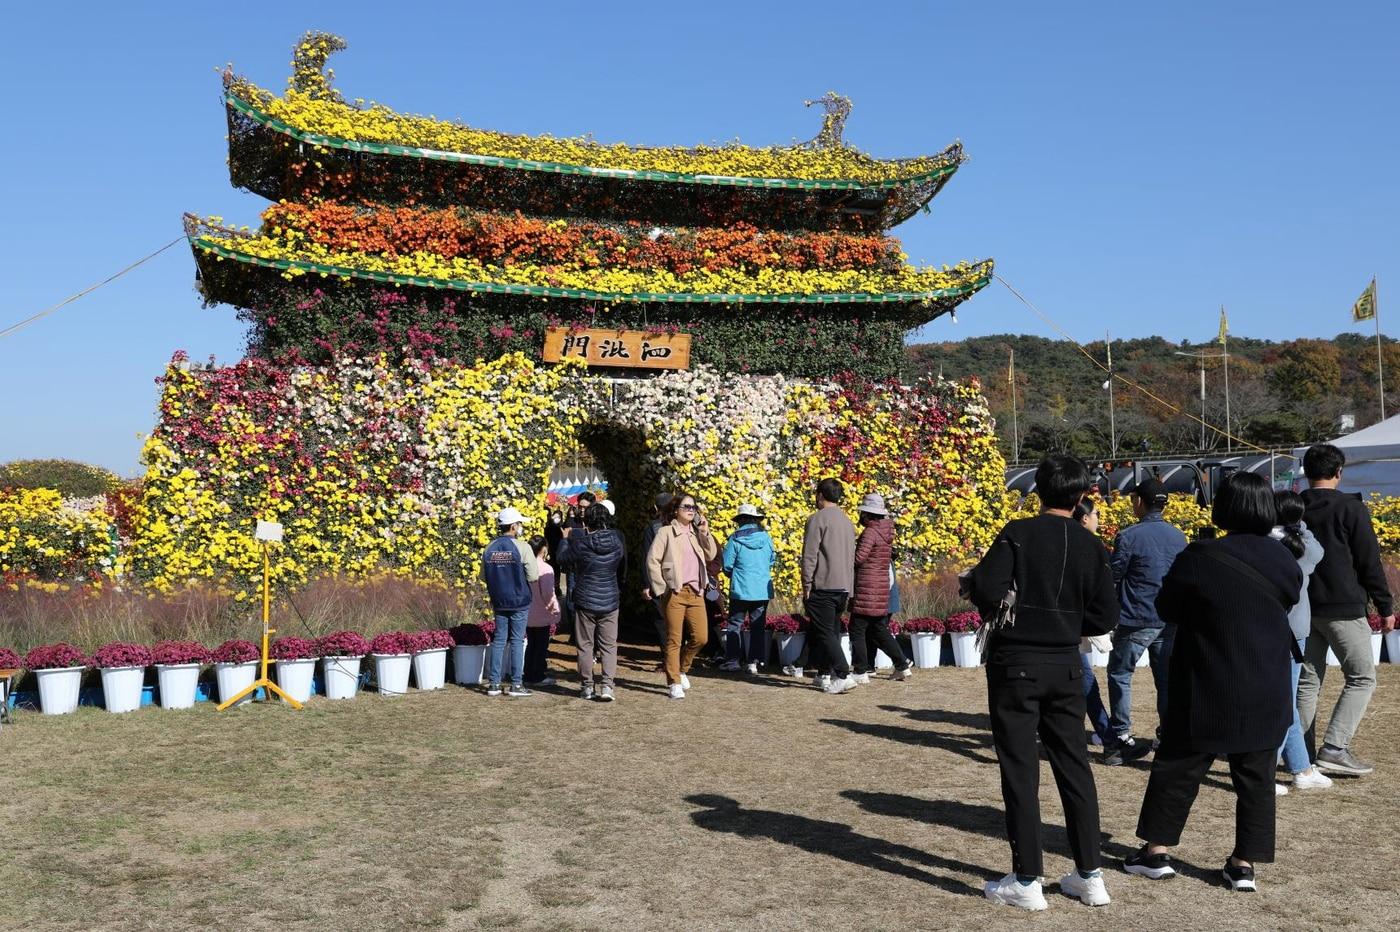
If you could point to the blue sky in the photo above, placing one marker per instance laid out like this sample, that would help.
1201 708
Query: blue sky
1133 166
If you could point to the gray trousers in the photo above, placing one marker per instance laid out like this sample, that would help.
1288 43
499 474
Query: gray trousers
1350 640
596 629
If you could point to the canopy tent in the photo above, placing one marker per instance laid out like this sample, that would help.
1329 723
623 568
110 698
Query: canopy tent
1373 459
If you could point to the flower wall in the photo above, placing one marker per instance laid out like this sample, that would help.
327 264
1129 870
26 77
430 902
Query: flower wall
372 467
48 541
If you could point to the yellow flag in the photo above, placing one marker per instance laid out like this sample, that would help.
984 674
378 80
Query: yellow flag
1224 327
1365 306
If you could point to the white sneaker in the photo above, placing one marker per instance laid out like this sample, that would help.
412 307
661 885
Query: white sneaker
862 679
1009 892
1280 789
842 684
685 681
753 669
905 674
1317 780
1090 892
677 691
821 682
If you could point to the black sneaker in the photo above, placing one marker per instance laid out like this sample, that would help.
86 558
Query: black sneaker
1125 751
1334 760
1240 879
1151 866
518 692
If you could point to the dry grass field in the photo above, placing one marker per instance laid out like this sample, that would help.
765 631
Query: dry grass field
751 805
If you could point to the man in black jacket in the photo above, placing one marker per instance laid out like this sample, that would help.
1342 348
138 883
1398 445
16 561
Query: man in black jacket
597 557
1064 591
1349 574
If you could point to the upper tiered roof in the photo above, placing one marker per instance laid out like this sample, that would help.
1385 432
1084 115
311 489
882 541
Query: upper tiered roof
310 142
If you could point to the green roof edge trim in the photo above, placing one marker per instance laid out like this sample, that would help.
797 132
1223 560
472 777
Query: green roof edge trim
891 297
564 168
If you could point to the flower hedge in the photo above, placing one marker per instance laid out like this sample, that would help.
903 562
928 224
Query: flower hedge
44 538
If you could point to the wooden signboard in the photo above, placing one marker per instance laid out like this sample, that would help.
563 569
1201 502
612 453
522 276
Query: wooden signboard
630 348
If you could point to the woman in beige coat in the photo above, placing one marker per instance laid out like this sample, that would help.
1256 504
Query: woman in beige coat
677 576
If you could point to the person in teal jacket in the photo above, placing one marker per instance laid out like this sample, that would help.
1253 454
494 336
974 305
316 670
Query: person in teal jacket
748 562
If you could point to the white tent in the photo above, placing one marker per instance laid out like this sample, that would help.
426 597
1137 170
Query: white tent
1373 458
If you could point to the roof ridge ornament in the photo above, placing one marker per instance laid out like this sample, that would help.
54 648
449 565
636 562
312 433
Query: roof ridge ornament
310 76
837 108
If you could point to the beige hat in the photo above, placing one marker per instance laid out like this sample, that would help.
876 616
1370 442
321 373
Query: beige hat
749 511
874 504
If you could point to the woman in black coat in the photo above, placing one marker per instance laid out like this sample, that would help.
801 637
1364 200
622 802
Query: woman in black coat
1228 683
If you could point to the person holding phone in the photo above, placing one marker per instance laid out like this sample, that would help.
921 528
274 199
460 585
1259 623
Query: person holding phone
677 575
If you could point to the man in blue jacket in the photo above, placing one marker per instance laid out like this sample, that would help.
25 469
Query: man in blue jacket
1142 554
509 569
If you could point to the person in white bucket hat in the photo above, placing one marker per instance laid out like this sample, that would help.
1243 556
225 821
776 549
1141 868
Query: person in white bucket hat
508 566
748 562
870 600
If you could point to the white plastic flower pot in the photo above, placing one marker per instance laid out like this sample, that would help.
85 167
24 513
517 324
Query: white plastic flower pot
1332 660
846 647
1144 659
882 660
430 668
121 688
1099 658
176 684
1392 645
1376 640
58 689
925 646
790 647
233 678
295 676
342 676
391 673
468 664
965 653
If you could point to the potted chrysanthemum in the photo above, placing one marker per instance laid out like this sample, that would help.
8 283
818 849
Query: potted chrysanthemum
790 630
341 653
925 640
1377 637
1391 639
962 632
177 666
295 665
469 651
393 659
430 657
123 670
235 668
58 668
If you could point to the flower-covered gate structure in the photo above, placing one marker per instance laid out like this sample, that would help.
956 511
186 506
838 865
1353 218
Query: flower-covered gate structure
399 289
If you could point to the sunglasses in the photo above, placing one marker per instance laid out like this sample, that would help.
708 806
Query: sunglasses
688 507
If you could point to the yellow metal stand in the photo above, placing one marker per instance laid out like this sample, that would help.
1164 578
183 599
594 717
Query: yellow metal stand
263 681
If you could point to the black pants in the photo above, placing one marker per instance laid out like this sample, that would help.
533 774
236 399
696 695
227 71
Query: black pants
824 607
869 632
1045 699
536 654
1176 778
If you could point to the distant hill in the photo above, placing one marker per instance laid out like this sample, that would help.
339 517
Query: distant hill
1281 393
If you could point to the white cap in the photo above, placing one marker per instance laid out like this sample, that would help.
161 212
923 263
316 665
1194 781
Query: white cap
509 516
612 509
749 511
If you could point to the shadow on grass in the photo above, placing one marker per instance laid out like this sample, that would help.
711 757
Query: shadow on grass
970 747
834 839
979 721
988 821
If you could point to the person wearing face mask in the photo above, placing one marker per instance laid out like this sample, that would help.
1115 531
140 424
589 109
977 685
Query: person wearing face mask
597 557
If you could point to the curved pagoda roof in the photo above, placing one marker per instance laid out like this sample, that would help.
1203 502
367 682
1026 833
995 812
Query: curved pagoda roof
310 142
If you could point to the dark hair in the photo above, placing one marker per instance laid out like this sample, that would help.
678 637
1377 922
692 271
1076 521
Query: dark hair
596 517
1084 509
744 520
537 543
586 496
1323 461
831 490
1061 481
1290 508
1244 504
674 507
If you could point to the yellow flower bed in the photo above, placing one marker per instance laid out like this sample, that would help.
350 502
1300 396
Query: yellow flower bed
291 245
48 542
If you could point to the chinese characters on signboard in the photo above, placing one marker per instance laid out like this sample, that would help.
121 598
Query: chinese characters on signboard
632 349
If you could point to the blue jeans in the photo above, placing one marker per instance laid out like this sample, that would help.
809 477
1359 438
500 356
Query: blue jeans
1295 749
1128 645
756 614
509 625
1093 702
